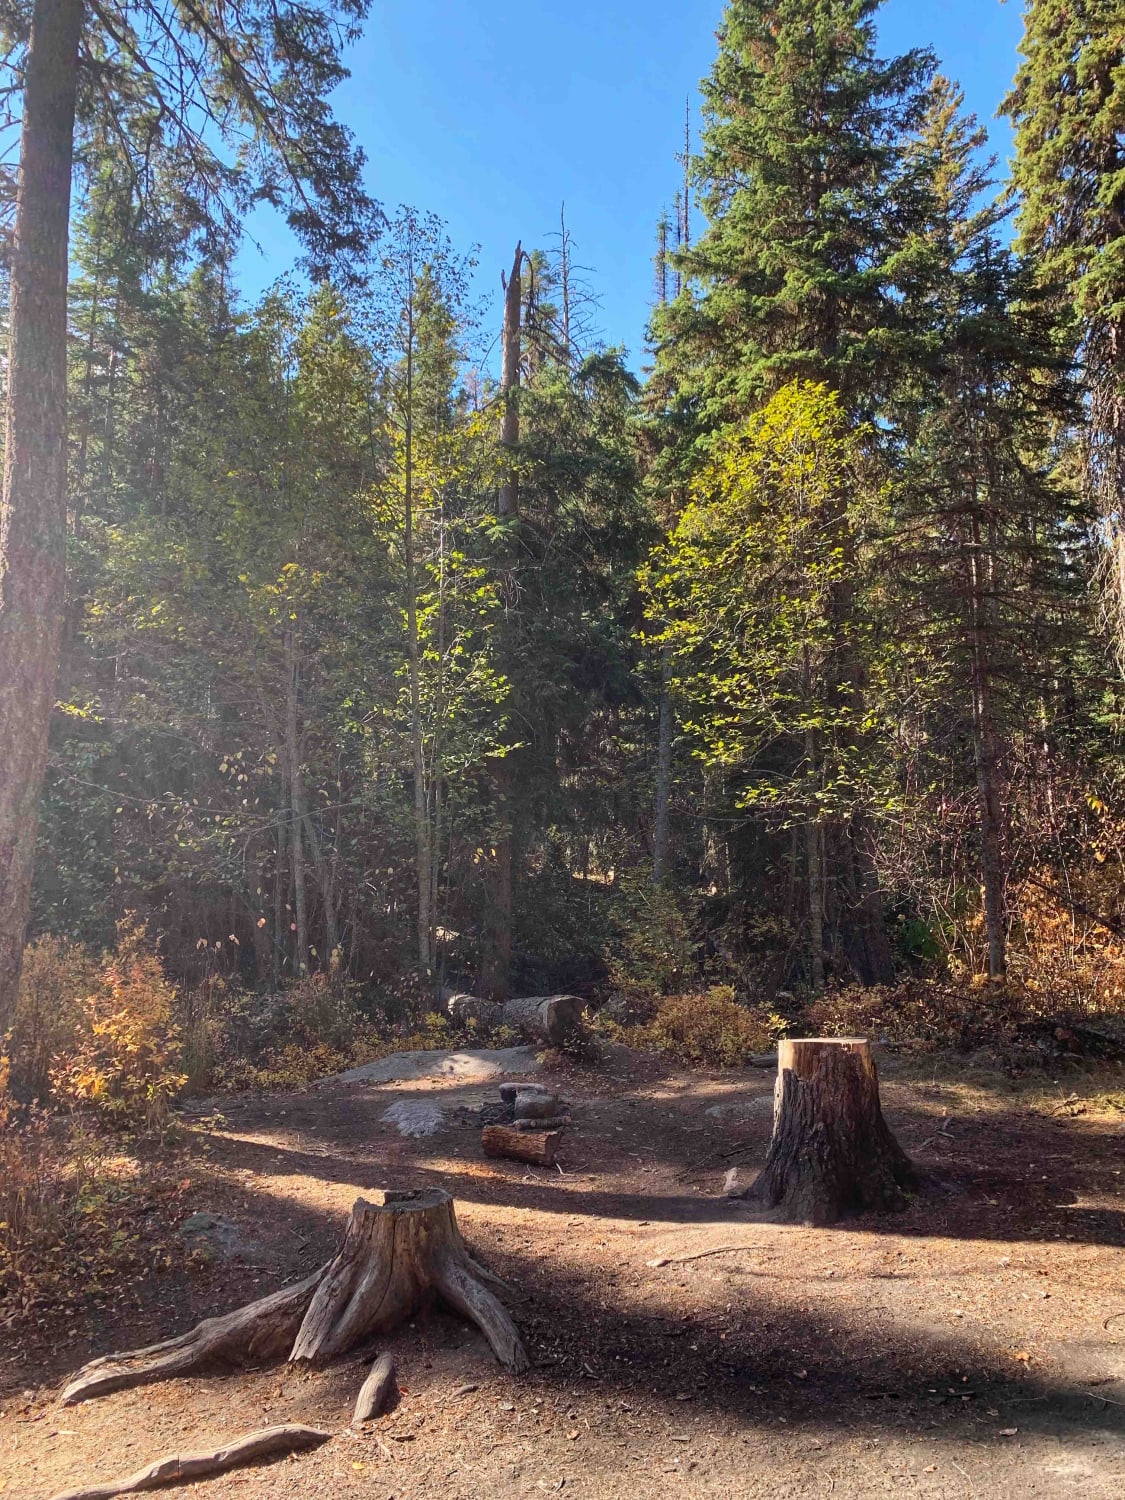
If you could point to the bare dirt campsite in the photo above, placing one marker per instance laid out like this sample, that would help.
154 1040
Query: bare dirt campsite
681 1342
562 749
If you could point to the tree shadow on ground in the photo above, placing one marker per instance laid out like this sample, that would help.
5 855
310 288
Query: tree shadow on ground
987 1181
738 1359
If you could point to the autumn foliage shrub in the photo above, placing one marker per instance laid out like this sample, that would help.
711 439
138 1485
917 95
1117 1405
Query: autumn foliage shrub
710 1027
55 980
126 1064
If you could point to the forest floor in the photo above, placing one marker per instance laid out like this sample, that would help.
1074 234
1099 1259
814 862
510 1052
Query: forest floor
973 1345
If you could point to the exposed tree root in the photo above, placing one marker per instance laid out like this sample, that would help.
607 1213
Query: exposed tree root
376 1390
180 1467
396 1256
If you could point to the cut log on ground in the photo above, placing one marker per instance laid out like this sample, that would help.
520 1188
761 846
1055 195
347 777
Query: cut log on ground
180 1467
536 1146
556 1019
395 1257
831 1154
376 1390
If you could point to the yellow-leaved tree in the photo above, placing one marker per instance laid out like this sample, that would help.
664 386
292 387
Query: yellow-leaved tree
763 594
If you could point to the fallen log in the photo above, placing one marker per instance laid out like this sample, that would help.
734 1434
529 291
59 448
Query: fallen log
536 1146
556 1019
831 1153
394 1257
179 1467
376 1390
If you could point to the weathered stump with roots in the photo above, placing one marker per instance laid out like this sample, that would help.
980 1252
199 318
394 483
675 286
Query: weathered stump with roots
395 1257
831 1153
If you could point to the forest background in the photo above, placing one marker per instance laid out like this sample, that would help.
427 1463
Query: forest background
779 687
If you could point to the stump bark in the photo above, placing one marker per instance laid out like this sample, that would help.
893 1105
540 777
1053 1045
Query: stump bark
395 1258
831 1154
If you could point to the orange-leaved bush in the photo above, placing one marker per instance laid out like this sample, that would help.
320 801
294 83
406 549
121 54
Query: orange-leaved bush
127 1061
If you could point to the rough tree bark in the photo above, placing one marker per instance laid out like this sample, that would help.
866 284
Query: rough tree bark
831 1154
986 751
395 1257
33 507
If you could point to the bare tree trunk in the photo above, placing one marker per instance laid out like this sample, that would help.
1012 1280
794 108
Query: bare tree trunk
814 853
33 508
422 831
986 754
564 278
496 936
510 355
660 822
663 790
296 800
814 858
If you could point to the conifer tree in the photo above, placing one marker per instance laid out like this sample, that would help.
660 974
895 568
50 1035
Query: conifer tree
804 182
1068 109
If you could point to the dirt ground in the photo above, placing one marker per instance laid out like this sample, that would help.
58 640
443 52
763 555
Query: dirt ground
973 1345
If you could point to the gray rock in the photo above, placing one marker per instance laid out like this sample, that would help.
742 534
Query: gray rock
536 1104
471 1065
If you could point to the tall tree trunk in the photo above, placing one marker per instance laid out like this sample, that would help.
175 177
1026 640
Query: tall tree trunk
280 882
660 821
422 831
510 355
814 859
496 934
663 789
33 509
296 801
987 757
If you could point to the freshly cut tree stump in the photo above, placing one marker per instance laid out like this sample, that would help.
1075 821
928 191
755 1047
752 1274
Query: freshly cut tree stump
545 1018
831 1154
396 1257
537 1146
180 1467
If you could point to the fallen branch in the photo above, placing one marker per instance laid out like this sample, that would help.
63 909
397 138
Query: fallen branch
679 1260
556 1019
178 1467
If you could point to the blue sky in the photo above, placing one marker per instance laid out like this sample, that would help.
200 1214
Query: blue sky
492 115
